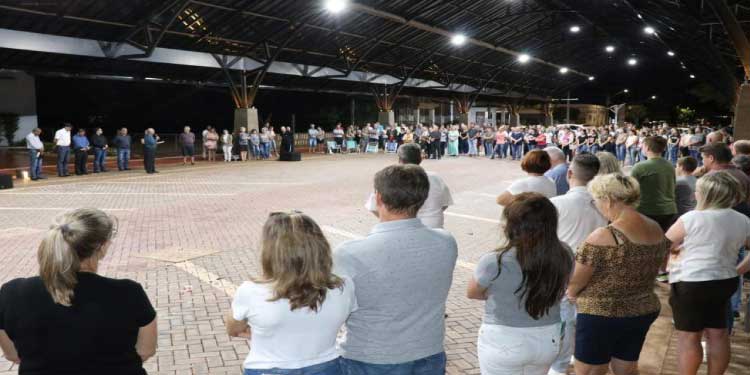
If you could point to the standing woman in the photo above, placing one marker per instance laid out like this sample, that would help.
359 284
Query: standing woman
703 273
535 163
613 281
501 146
453 138
321 140
632 146
292 313
244 143
212 139
272 142
69 320
522 308
463 140
227 141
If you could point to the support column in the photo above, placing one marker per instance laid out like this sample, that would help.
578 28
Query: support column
451 110
742 113
19 98
352 114
247 118
416 115
387 117
432 116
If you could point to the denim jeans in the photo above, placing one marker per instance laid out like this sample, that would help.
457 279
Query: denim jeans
516 149
255 150
500 150
620 152
672 152
312 142
594 148
697 155
63 152
264 150
35 164
123 157
432 365
735 303
633 151
99 155
327 368
488 148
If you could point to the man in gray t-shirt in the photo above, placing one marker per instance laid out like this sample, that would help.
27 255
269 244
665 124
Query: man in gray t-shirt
402 272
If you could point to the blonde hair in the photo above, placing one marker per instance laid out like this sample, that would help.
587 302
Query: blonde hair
607 163
296 259
616 187
75 236
719 190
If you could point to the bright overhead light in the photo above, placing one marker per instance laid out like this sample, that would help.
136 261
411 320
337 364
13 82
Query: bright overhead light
670 53
632 62
563 70
649 30
626 91
639 16
653 97
575 28
458 39
335 6
591 78
692 76
609 49
523 58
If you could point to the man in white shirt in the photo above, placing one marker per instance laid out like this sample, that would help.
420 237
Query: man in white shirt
62 142
312 138
577 218
36 150
438 199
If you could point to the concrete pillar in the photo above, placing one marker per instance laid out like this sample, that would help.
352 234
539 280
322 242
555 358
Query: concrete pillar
494 116
416 115
18 93
387 117
451 110
742 113
432 116
247 118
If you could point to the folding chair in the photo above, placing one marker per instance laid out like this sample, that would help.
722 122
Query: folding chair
332 146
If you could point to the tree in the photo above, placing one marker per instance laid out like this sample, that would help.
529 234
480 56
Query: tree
635 113
9 126
685 114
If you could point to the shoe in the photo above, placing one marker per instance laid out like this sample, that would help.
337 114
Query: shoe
126 169
42 177
34 178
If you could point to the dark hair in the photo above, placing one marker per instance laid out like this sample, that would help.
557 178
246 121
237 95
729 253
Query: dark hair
742 162
585 167
546 263
719 150
410 153
688 163
403 188
536 161
656 144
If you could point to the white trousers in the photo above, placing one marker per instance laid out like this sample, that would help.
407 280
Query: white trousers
227 152
517 351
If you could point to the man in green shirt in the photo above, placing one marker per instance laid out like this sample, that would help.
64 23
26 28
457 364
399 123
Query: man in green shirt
656 177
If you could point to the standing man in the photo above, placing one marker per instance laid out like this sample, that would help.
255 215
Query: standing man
81 148
204 138
187 141
577 218
122 143
149 141
312 138
559 170
62 142
99 141
403 271
36 150
438 198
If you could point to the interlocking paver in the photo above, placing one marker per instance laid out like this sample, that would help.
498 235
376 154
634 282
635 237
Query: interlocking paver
222 207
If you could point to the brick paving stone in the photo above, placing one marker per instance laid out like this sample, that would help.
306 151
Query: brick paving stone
222 207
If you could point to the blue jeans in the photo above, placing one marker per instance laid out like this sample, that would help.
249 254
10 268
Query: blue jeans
312 142
99 155
488 149
633 151
327 368
35 164
620 152
736 301
255 150
432 365
123 157
673 153
501 150
264 150
582 149
516 151
697 155
63 152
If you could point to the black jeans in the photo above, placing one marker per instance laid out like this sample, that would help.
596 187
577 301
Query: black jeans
435 150
81 159
149 159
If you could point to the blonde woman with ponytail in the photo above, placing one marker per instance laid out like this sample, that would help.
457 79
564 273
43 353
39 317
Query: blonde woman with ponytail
69 320
292 313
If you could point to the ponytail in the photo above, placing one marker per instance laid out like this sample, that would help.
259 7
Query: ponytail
75 237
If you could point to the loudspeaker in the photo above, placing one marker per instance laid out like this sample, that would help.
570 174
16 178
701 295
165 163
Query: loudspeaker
6 182
290 156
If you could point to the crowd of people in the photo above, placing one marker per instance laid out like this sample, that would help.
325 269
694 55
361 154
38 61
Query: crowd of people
584 244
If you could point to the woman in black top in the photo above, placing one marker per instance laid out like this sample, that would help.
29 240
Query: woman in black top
69 320
463 140
99 142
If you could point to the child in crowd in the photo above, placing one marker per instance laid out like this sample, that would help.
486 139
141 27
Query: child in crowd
685 185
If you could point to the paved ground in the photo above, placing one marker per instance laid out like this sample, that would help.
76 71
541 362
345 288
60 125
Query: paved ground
212 214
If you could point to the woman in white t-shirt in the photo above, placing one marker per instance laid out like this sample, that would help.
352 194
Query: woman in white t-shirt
292 314
703 272
534 163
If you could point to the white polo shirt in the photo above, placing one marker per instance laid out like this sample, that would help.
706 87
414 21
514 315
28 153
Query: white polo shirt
577 216
431 212
63 137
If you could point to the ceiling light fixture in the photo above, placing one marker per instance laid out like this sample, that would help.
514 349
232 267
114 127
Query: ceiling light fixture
335 6
609 49
649 30
563 70
575 28
692 76
632 62
458 39
523 58
653 97
670 53
626 91
591 78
